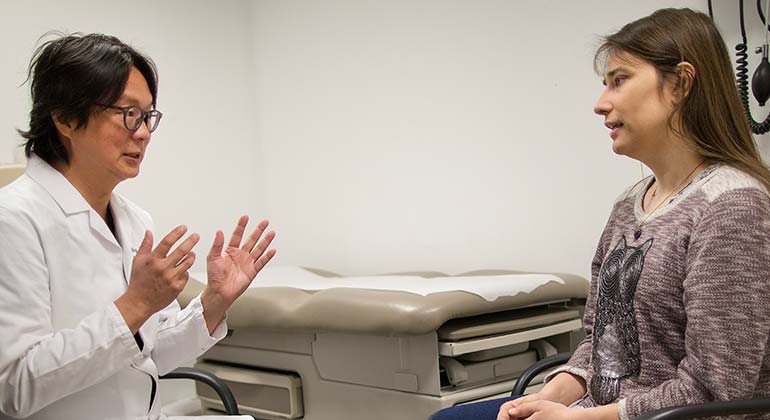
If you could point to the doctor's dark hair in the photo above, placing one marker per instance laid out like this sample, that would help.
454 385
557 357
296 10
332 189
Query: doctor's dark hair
711 118
69 76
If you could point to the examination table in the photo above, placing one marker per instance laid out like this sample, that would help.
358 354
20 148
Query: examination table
310 344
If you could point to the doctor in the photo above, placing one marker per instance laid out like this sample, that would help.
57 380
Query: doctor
88 317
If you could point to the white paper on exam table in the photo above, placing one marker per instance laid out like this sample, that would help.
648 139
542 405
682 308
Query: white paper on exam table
488 287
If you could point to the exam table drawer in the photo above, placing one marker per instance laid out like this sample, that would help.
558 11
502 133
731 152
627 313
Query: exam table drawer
505 322
259 393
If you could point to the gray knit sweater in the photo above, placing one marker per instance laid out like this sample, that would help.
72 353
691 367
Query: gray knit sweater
682 314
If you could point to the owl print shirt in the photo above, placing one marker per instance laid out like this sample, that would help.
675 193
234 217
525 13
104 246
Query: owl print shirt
680 314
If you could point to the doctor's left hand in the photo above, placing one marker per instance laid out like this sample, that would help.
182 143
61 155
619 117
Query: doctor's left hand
231 269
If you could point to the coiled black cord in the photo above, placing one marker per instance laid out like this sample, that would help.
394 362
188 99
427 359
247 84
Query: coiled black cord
742 76
742 71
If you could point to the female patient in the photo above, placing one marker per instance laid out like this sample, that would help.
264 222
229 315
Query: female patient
678 309
88 317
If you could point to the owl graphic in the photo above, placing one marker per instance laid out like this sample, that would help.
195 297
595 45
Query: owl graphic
615 334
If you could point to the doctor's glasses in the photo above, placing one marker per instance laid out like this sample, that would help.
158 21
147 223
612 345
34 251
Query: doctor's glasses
133 117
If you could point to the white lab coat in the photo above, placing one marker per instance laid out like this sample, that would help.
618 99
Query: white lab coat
65 350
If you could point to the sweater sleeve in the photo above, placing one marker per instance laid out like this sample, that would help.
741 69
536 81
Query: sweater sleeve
726 294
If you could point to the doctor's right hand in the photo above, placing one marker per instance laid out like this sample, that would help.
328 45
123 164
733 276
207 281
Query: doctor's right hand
157 276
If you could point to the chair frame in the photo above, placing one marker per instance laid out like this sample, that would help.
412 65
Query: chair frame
208 378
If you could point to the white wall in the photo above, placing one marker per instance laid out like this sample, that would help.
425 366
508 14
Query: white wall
447 135
377 136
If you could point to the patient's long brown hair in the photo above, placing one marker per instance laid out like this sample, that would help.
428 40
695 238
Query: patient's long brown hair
711 118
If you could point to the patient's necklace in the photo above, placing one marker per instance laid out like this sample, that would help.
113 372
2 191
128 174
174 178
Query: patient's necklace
678 188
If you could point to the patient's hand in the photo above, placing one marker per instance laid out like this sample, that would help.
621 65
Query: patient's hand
505 407
535 409
231 269
563 389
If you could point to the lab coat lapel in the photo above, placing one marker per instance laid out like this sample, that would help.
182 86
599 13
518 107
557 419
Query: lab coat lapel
128 243
67 196
99 226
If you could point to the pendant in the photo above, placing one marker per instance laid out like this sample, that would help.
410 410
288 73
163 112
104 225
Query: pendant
637 233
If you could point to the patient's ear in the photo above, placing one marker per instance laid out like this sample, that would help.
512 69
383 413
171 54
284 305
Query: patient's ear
686 76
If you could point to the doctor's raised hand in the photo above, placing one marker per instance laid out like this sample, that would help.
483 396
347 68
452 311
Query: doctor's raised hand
231 269
157 276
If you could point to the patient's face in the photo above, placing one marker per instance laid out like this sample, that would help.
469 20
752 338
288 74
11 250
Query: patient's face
636 105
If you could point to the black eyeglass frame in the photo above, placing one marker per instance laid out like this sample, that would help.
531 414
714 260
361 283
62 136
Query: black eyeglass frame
145 116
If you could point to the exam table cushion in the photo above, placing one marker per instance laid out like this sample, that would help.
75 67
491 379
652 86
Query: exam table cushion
370 311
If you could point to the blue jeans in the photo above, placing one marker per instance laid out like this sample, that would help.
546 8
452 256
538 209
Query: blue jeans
484 410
